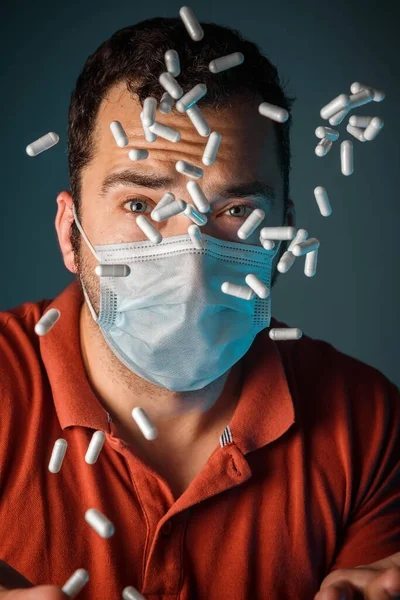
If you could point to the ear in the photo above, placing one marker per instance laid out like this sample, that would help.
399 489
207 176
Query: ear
64 220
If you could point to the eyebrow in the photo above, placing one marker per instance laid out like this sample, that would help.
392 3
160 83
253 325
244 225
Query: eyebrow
139 178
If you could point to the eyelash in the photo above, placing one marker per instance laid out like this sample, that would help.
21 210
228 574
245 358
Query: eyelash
248 204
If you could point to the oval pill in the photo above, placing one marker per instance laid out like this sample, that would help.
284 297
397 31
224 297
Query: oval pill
301 236
362 97
112 270
327 132
169 210
57 455
379 95
166 103
338 117
43 143
119 134
75 583
196 237
286 261
304 247
99 523
191 23
191 97
267 244
148 229
373 129
198 197
321 196
170 85
131 593
282 334
278 233
223 63
189 169
198 120
47 321
323 147
144 423
239 291
273 112
257 286
194 215
310 267
172 62
149 111
95 446
168 133
356 132
347 157
359 121
337 104
211 149
254 220
136 154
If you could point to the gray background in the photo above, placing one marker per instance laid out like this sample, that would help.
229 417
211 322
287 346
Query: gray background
321 48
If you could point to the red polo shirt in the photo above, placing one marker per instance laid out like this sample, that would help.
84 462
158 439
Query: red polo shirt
305 480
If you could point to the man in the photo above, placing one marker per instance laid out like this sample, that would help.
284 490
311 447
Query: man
276 468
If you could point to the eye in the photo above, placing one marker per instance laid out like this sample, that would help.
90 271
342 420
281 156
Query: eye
240 211
136 205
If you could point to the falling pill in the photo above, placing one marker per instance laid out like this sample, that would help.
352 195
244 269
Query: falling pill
278 233
112 270
144 423
254 220
304 247
223 63
198 196
119 134
99 523
95 447
356 87
327 132
186 168
356 132
168 210
57 455
138 154
273 112
131 593
172 62
310 267
339 103
191 213
257 286
148 229
347 157
45 142
196 236
198 120
47 322
323 147
282 334
75 583
239 291
166 103
168 133
322 198
373 129
191 23
191 97
170 85
149 111
211 149
286 261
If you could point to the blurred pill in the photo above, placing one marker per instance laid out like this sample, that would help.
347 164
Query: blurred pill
257 286
112 270
148 229
136 154
286 261
198 196
166 103
347 157
196 236
305 247
273 112
356 87
321 196
47 321
282 334
189 169
172 62
57 455
223 63
199 121
43 143
310 267
191 97
337 104
211 149
131 593
358 121
95 446
170 85
323 147
239 291
99 523
119 134
191 23
144 423
168 133
75 583
373 129
327 132
278 233
169 210
356 132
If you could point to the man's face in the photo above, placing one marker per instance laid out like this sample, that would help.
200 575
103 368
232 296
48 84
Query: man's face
247 154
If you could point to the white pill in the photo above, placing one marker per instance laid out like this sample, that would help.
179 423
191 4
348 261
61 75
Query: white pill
339 117
119 134
172 62
267 244
148 229
100 523
310 267
327 132
47 321
211 149
286 261
136 154
43 143
149 136
75 583
358 121
196 237
254 220
168 133
373 129
356 132
198 120
356 87
283 334
278 233
57 455
305 247
239 291
166 103
95 446
169 210
362 97
198 196
322 198
347 157
301 236
323 147
112 270
145 425
191 97
273 112
223 63
166 199
170 85
257 286
189 169
131 593
192 25
339 103
195 216
149 111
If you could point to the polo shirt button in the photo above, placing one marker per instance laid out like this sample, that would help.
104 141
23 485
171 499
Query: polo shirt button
167 528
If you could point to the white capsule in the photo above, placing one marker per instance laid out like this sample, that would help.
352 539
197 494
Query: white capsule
149 136
136 154
283 334
198 196
286 261
305 247
362 97
131 593
191 213
119 134
356 87
168 133
172 62
191 97
358 121
57 455
43 143
267 244
301 236
145 425
171 85
257 286
166 103
47 321
339 103
278 233
211 149
356 132
99 523
95 446
323 147
169 210
239 291
327 132
198 120
339 117
149 111
322 198
310 267
75 583
166 199
347 157
112 270
148 229
189 169
373 129
196 237
191 24
223 63
254 220
273 112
